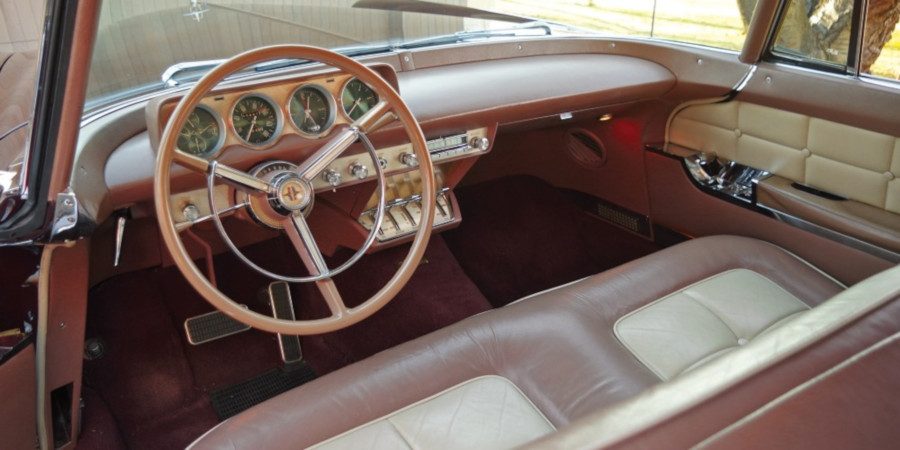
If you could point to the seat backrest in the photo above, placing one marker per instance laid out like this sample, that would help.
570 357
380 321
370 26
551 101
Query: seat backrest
813 356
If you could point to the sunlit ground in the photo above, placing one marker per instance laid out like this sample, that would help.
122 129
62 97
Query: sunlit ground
715 23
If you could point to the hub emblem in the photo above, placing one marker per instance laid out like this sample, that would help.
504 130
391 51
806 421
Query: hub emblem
293 193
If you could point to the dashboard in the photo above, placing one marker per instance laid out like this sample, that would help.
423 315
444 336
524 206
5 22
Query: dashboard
460 104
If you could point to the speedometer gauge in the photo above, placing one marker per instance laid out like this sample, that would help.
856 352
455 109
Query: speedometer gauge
311 109
256 120
357 98
201 133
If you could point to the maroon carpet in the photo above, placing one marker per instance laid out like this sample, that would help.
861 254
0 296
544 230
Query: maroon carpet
155 385
519 236
151 388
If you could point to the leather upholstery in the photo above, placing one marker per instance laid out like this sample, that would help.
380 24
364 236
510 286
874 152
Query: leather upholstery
740 386
859 220
851 162
485 412
558 348
852 405
705 320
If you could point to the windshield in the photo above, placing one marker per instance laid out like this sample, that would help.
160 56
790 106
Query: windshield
139 42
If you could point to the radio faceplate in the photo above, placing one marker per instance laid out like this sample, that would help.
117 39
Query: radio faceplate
400 158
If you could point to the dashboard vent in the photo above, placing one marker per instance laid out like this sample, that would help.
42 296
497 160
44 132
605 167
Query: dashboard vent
585 148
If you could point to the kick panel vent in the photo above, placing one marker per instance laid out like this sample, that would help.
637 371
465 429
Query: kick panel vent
622 217
612 213
585 148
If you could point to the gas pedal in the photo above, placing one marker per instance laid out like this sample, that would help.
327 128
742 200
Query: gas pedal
283 308
211 326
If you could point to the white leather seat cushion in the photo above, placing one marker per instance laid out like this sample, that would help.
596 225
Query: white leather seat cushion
487 412
705 320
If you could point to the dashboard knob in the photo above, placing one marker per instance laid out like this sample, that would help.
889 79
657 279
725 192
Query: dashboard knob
480 143
358 170
409 160
332 177
190 212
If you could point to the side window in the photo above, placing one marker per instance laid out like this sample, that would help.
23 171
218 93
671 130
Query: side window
817 30
881 40
820 33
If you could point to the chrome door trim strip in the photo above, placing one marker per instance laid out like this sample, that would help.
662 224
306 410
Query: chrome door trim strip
828 233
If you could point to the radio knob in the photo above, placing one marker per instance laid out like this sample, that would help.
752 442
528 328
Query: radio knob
480 143
332 177
359 171
409 160
190 212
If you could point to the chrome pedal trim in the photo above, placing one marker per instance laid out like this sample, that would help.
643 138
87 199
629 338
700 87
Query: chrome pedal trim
283 308
211 326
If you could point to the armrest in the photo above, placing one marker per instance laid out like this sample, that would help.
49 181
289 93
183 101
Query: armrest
868 223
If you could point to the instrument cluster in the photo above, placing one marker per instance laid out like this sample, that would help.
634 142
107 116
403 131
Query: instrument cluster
256 119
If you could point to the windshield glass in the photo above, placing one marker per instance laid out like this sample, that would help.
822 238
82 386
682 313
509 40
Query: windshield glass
139 41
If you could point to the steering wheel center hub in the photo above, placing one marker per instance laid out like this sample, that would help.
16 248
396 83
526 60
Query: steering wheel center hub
292 193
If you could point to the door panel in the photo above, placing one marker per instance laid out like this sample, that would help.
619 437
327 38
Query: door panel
853 173
17 410
857 164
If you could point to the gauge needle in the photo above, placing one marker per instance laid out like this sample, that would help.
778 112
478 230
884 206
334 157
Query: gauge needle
355 105
309 116
250 131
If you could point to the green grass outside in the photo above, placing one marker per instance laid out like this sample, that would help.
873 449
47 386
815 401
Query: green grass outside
716 23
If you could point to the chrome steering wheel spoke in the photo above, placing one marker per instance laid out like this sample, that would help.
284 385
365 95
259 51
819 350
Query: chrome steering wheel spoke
377 117
297 228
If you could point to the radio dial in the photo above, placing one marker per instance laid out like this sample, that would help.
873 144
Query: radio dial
480 143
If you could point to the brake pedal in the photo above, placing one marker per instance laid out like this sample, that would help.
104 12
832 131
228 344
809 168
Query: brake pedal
283 308
211 326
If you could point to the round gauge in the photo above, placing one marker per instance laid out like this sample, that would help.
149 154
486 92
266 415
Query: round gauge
201 133
311 109
256 120
357 98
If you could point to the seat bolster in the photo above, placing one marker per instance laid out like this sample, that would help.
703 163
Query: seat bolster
557 347
485 412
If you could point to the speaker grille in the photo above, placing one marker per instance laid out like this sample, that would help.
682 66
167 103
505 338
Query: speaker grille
585 148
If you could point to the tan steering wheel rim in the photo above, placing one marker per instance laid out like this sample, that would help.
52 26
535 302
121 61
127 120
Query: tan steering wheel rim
167 154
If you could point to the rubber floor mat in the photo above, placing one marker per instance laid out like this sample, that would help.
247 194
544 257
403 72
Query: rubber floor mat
232 400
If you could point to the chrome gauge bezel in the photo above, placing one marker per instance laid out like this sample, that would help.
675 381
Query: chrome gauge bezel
341 96
223 133
279 120
332 110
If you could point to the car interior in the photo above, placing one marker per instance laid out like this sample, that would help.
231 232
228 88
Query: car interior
476 224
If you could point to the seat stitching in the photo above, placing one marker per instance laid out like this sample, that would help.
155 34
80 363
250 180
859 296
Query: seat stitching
400 432
709 357
714 314
656 371
392 414
791 296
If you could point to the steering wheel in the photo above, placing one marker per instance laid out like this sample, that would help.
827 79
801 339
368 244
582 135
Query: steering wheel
290 194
